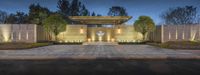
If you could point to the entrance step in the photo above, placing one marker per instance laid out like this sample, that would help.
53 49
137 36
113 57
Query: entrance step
100 43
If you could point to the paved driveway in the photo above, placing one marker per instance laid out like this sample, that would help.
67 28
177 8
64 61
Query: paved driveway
98 52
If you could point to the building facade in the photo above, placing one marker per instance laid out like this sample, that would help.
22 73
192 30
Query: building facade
97 29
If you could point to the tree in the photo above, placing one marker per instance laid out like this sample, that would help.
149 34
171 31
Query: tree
117 11
38 14
18 18
144 24
180 15
55 24
93 14
3 16
64 7
84 11
75 8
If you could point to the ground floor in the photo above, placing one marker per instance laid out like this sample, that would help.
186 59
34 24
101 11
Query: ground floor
99 52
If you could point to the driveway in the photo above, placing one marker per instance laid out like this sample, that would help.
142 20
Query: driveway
99 52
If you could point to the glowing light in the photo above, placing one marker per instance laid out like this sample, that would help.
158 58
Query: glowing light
118 30
5 29
81 31
89 40
113 40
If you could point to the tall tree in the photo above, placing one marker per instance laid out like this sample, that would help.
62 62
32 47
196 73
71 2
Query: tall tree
93 14
18 18
55 24
75 8
180 15
64 7
3 16
84 11
144 24
37 14
117 11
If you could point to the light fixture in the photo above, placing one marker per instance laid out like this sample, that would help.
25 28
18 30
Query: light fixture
118 30
81 30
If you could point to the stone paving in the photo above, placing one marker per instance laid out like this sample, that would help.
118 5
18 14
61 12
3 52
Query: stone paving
99 52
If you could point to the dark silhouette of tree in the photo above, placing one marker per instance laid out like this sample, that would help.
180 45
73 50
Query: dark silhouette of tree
75 7
180 15
18 18
3 16
117 11
144 25
64 7
93 14
38 14
84 11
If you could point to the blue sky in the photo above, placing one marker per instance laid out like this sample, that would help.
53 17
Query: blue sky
135 8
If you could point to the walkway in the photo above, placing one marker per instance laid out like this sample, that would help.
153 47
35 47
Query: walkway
99 52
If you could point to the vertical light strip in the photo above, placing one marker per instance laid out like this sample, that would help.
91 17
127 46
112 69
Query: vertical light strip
27 36
162 33
183 36
19 35
176 34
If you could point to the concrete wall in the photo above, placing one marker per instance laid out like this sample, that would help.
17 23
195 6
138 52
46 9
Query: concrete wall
74 33
127 33
18 33
176 33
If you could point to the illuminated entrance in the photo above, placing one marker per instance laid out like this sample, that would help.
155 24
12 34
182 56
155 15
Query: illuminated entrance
101 28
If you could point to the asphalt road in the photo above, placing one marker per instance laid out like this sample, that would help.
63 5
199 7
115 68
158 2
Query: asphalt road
99 67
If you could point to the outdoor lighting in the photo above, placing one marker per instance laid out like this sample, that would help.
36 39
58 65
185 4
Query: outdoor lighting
89 40
118 30
112 39
81 30
5 32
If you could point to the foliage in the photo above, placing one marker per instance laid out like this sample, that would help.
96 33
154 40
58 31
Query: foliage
19 46
144 25
117 11
3 16
64 7
38 14
18 18
93 14
181 45
55 24
180 15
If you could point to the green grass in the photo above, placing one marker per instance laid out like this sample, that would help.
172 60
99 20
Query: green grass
18 46
179 45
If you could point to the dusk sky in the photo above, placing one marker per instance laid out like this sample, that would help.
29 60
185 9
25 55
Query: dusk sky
135 8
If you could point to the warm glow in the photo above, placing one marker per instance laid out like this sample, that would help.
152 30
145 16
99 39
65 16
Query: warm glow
89 40
81 31
113 40
6 33
118 30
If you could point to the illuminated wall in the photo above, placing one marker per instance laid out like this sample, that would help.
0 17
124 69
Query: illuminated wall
74 33
18 33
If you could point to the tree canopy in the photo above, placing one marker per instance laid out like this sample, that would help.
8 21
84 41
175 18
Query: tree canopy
117 11
3 16
144 24
55 24
180 15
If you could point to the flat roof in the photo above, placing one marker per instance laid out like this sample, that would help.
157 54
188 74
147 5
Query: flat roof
114 20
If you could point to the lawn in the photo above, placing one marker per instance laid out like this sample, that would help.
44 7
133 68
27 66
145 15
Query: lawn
18 46
190 45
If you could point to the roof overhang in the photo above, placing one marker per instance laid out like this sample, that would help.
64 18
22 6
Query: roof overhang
114 20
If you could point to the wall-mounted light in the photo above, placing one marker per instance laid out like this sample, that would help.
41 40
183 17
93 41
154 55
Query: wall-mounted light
118 30
81 30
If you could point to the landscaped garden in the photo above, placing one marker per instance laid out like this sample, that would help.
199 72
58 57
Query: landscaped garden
18 46
189 45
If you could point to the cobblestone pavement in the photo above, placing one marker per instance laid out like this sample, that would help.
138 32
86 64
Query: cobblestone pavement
99 52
